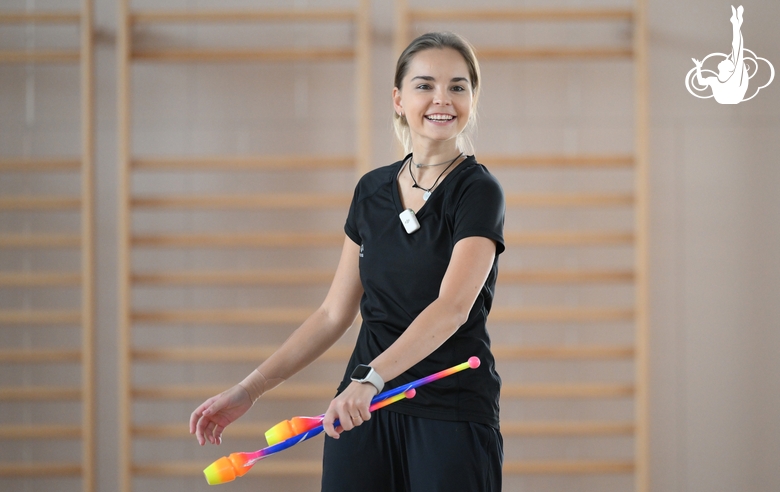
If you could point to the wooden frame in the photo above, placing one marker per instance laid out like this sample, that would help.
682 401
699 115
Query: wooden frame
84 279
636 278
358 19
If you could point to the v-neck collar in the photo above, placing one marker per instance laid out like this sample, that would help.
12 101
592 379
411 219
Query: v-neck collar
397 194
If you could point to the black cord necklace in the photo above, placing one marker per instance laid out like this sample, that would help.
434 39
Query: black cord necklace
428 191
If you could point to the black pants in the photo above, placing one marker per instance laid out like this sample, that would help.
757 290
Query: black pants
398 453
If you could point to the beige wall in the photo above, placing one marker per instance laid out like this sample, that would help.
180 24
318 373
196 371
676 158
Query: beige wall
715 224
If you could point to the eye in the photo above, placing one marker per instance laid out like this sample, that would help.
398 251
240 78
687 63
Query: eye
458 88
424 87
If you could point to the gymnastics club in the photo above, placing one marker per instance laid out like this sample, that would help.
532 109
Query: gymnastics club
298 425
227 468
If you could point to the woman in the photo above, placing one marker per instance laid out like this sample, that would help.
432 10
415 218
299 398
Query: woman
424 288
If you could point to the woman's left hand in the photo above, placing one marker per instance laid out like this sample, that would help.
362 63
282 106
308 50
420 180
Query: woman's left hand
350 408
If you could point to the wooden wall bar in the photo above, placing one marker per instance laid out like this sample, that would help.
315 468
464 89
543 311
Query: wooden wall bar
136 276
80 461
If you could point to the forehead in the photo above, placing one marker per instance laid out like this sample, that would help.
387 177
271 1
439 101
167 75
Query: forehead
444 63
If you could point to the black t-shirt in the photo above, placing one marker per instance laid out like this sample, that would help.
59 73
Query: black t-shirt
401 275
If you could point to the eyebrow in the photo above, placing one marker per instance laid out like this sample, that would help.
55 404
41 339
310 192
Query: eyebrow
429 78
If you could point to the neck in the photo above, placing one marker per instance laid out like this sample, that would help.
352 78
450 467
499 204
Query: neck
428 155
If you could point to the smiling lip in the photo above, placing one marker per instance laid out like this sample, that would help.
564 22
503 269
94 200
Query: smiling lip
440 118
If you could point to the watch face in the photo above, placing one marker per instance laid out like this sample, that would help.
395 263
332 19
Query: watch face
361 372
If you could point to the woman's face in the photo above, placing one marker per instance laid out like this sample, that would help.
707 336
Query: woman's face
436 96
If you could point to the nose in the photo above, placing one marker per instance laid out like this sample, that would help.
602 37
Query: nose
442 97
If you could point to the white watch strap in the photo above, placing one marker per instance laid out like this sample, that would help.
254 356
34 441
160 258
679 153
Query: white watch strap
375 379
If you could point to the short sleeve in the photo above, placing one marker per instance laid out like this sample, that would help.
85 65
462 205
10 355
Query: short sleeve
480 211
350 227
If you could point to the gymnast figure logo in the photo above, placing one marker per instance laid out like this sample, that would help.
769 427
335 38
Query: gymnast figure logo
730 84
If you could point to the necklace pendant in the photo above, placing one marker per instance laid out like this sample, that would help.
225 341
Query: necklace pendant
426 196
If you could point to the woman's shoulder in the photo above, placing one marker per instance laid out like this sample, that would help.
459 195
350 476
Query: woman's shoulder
476 174
375 179
382 172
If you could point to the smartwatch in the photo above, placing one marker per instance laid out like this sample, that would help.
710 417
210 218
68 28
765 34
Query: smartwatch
367 374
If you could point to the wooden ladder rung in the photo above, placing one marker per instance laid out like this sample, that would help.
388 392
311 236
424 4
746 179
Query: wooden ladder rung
42 431
569 200
241 240
244 55
287 391
23 469
568 238
39 279
564 276
508 53
568 467
225 354
560 314
40 17
55 203
40 56
279 468
554 429
20 356
245 163
260 316
524 14
592 352
573 391
39 393
269 201
279 15
259 277
17 241
179 430
558 160
40 164
48 317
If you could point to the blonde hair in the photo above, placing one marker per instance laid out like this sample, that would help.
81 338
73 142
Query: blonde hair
438 40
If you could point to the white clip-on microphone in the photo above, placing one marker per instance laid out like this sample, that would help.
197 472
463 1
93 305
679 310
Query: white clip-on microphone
409 220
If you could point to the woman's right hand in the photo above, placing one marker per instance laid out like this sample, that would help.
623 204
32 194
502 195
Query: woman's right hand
209 420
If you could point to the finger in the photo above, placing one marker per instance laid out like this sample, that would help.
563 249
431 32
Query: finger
199 433
198 413
209 431
346 422
194 417
327 422
218 434
327 425
204 427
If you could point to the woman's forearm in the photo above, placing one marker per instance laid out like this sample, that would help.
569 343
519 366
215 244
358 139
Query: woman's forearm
434 326
320 330
471 261
318 333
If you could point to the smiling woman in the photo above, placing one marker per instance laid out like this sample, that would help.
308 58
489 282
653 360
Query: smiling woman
424 293
460 52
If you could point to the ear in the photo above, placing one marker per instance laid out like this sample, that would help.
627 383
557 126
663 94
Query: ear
397 105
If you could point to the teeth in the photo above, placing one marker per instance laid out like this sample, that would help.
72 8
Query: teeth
440 117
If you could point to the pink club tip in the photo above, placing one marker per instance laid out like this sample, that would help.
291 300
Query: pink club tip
411 393
474 362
